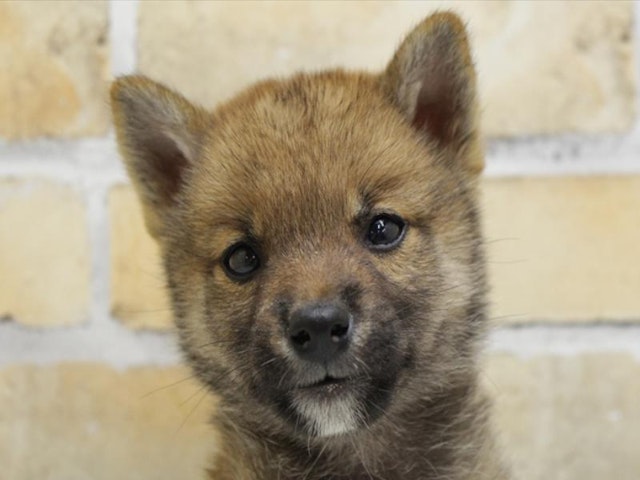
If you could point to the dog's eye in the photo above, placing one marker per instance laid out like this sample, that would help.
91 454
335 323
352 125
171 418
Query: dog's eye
240 261
385 232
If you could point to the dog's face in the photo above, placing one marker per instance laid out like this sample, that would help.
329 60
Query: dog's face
319 233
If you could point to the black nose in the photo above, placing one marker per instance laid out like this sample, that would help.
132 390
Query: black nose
318 332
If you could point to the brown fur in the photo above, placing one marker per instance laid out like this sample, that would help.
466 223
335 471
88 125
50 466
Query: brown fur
298 167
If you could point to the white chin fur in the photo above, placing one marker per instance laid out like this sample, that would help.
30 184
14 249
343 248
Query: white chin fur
328 418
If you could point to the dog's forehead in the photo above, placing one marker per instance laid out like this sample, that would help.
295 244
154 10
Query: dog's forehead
310 149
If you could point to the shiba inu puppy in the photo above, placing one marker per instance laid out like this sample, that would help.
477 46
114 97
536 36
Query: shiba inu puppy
321 241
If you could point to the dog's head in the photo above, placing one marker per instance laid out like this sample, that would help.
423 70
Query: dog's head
319 233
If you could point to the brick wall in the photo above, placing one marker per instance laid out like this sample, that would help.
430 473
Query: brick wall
91 385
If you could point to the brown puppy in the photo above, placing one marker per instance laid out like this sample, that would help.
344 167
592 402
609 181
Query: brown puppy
321 241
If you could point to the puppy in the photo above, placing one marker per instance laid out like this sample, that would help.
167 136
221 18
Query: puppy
322 246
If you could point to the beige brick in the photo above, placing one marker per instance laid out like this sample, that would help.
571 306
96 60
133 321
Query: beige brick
564 248
44 254
543 66
567 418
86 421
54 69
138 292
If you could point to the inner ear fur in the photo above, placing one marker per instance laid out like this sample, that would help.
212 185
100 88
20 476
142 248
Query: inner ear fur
432 81
159 134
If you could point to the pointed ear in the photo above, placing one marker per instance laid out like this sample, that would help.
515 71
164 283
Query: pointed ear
159 135
432 81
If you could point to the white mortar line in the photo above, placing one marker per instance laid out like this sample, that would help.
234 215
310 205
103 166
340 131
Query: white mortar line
123 31
90 162
565 155
108 343
566 340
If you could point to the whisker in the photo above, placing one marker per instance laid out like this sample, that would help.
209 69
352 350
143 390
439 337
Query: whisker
204 394
167 386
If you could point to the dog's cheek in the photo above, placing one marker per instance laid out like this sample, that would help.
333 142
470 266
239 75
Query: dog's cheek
229 311
269 374
187 279
254 337
388 332
214 316
402 318
413 265
404 281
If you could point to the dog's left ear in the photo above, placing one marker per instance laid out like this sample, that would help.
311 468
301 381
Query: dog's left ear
432 81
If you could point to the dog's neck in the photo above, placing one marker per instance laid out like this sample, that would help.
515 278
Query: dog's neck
440 438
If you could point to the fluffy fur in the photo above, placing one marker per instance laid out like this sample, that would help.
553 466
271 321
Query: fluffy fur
298 168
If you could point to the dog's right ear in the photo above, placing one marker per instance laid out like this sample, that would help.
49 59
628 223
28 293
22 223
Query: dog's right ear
160 135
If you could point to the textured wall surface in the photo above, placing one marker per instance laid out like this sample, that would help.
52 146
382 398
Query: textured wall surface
91 384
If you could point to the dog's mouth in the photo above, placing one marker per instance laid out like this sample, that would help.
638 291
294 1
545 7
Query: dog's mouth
328 387
327 382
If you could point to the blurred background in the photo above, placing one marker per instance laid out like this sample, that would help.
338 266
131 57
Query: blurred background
91 383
